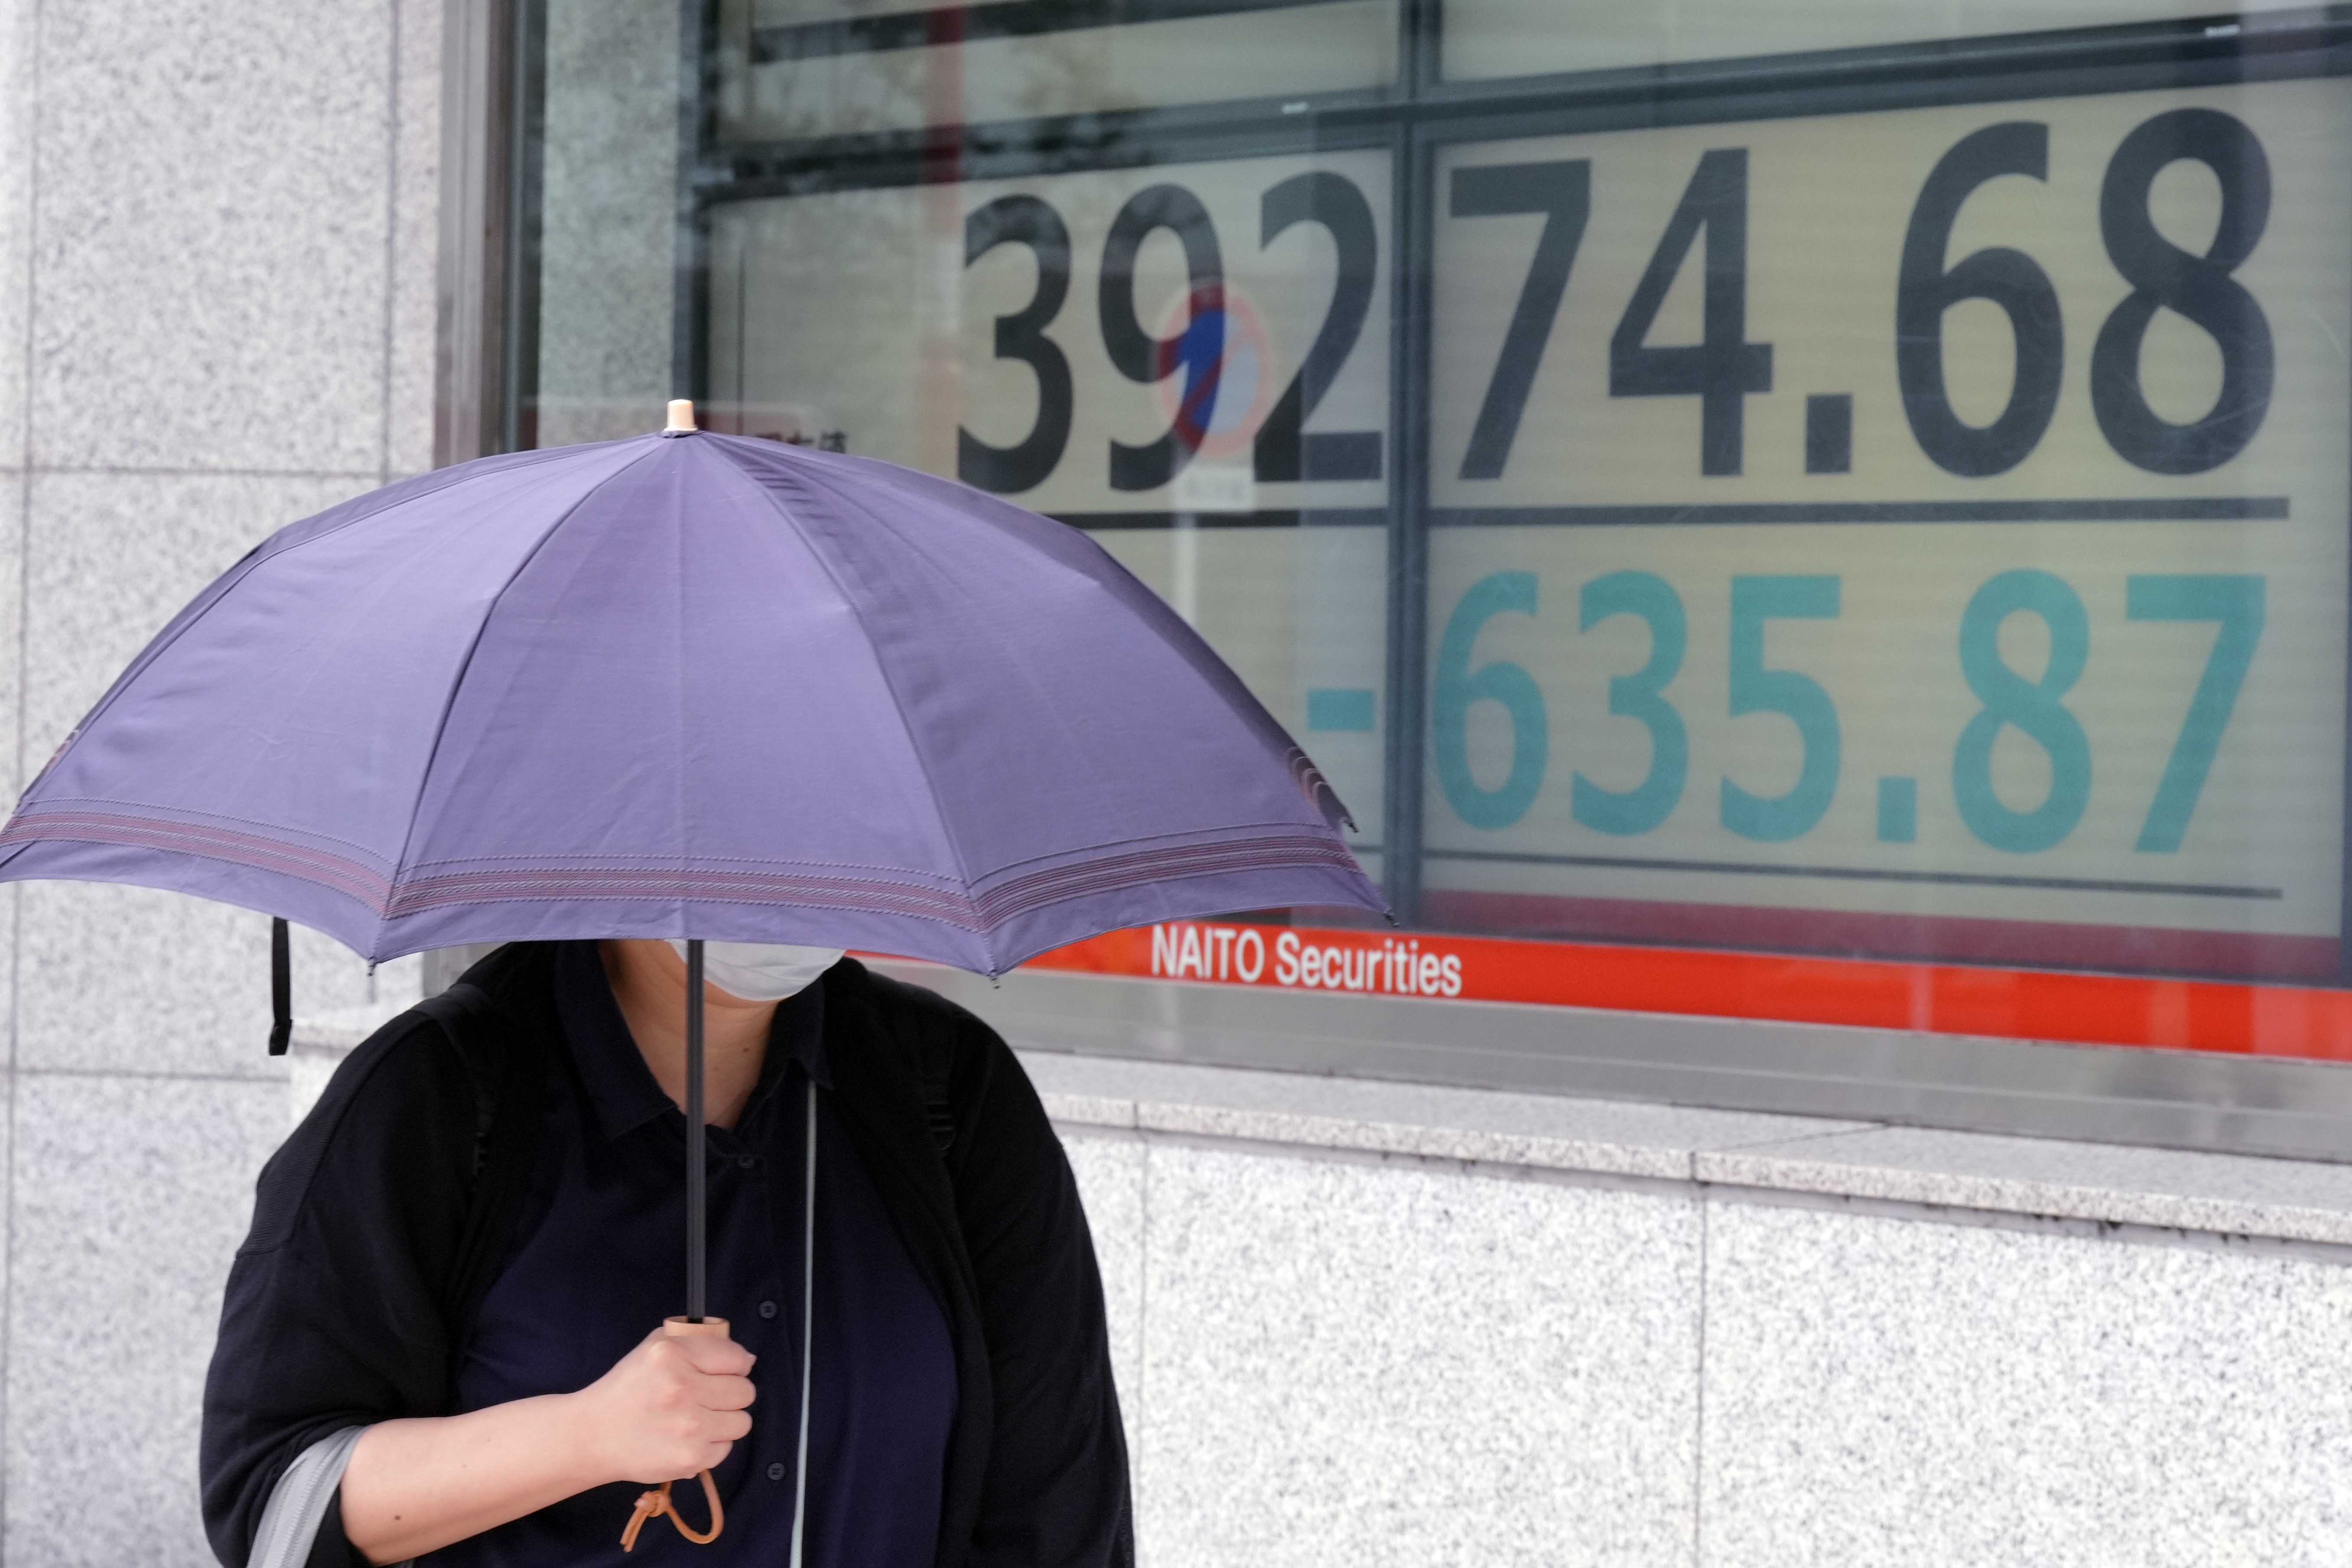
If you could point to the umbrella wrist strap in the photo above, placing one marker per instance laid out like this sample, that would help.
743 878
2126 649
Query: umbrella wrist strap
655 1501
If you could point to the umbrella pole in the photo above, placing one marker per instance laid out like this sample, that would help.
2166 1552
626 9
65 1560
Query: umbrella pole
695 1200
657 1500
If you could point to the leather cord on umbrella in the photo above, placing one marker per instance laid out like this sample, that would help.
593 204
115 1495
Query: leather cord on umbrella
654 1503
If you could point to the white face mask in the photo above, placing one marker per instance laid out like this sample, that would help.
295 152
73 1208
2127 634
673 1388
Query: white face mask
761 971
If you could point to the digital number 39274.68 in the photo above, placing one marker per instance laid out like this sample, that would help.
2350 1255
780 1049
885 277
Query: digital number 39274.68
2035 708
1723 369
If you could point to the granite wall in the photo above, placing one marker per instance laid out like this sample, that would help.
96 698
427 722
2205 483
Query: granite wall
217 241
1375 1325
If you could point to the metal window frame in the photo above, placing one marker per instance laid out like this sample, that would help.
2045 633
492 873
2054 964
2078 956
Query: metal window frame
469 355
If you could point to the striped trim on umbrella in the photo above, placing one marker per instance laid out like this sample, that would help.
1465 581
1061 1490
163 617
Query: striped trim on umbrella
409 896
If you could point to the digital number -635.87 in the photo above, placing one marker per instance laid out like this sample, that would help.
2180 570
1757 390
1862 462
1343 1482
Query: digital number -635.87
2036 708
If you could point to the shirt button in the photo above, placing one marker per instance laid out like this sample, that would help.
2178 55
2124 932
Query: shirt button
747 1161
776 1471
767 1309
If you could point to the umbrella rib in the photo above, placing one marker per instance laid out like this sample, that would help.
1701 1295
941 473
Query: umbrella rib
457 682
849 600
850 499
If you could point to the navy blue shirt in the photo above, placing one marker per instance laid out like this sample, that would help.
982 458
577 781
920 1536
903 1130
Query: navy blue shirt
600 1260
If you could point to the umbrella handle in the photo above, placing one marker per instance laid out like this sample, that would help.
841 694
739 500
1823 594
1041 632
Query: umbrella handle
655 1501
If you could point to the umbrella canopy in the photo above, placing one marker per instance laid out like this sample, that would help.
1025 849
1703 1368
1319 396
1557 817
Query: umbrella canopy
688 685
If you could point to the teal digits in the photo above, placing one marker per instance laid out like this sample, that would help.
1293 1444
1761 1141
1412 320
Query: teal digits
1458 686
1637 696
1898 811
2238 604
1756 689
2033 707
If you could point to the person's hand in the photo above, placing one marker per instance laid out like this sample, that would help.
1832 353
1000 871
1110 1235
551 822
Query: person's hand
672 1407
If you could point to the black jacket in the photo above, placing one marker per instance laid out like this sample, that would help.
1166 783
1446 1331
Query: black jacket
350 1300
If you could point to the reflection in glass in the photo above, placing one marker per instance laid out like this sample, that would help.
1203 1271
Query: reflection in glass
787 74
607 286
1489 40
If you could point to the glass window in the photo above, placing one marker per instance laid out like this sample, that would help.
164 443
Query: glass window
1868 479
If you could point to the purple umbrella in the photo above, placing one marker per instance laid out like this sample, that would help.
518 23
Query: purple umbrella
704 687
692 686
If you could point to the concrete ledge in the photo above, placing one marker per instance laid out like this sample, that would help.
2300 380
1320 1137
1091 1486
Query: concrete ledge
1541 1132
2227 1195
2224 1195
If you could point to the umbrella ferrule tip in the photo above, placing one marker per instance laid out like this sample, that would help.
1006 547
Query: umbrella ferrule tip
681 417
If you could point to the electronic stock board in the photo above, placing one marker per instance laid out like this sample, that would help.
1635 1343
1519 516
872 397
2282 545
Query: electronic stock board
1912 530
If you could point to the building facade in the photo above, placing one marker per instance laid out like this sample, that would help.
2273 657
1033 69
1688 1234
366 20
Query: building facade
218 242
1812 539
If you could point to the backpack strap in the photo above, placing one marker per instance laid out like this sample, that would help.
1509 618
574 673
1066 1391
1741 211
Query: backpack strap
503 1064
459 1011
928 1035
926 1028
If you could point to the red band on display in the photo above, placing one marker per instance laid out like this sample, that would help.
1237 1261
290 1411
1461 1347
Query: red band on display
1945 999
1959 937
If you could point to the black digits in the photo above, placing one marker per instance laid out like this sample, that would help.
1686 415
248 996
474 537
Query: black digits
2200 288
1024 220
1198 346
1282 452
1563 194
1722 368
2010 279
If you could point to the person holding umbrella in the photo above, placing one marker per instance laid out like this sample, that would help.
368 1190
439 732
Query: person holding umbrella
938 1376
679 719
